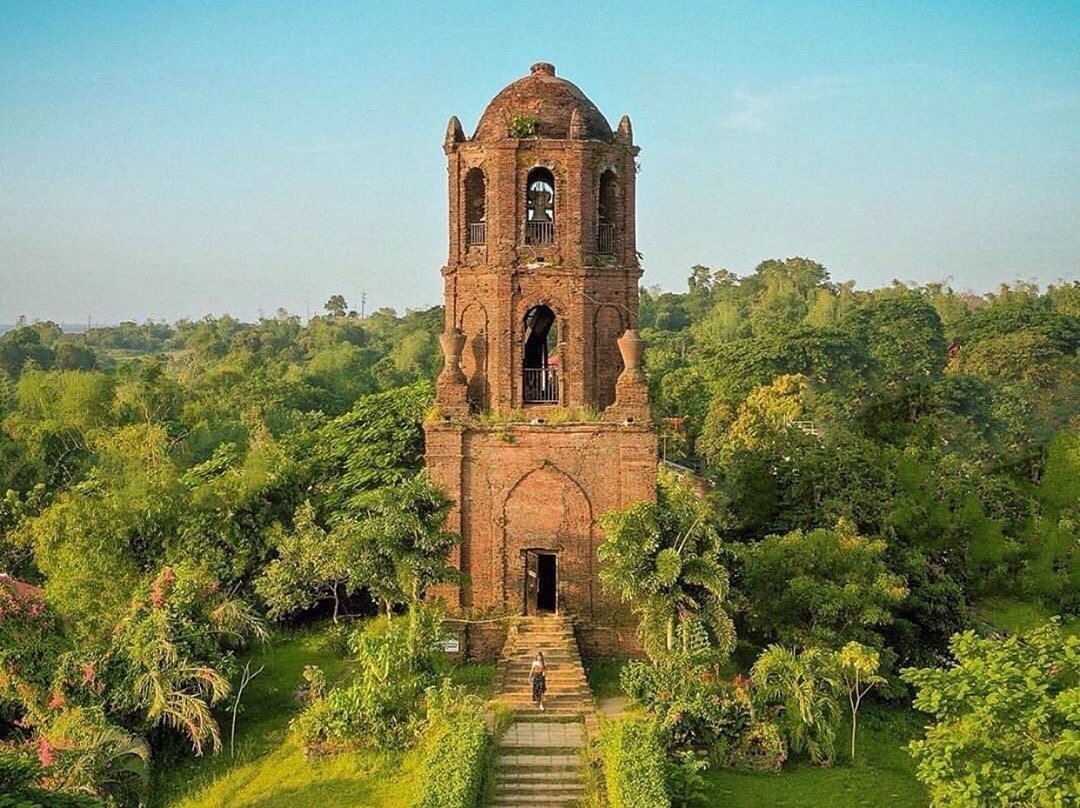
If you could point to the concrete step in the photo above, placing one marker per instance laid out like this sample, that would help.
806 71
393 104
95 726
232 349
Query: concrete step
536 760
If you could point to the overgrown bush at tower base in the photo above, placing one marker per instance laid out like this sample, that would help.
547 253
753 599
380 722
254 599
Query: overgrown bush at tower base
456 750
634 764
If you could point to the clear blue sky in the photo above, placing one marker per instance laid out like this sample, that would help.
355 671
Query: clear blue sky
167 159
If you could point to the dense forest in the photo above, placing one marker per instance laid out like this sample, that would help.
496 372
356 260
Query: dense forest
883 468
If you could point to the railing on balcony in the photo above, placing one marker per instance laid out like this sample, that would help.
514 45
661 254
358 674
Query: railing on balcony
477 235
539 233
541 385
605 239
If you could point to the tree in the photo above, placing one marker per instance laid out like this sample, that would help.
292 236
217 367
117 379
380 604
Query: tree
663 558
402 546
1006 721
857 666
800 687
168 657
337 306
824 587
311 564
903 333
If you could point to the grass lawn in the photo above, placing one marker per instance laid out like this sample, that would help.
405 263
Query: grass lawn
883 775
603 676
269 771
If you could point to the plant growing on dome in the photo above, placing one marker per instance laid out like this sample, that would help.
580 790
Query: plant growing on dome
521 124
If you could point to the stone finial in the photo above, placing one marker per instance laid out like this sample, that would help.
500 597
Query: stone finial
452 388
625 132
631 388
542 69
454 133
577 126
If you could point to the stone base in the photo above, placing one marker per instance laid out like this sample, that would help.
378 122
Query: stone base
537 487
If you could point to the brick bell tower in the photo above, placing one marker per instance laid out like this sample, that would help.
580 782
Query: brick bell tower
542 420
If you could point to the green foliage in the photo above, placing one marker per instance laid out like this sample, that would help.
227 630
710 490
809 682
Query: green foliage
20 778
695 708
88 755
311 564
519 125
31 643
378 444
169 657
455 751
857 667
799 691
683 780
760 747
394 664
634 764
903 334
662 558
1006 720
823 587
400 544
884 774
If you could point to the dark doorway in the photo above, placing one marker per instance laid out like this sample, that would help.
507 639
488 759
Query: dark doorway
539 357
541 582
545 596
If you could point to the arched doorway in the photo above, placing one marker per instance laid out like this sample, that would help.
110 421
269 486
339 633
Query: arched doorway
540 357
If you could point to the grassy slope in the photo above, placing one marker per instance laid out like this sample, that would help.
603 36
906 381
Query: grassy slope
883 774
269 770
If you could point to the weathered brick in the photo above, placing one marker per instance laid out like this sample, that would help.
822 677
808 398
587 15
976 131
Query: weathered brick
541 486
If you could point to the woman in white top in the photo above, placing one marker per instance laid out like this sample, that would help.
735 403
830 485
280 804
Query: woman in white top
538 677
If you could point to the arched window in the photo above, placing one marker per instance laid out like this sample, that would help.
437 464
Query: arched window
475 208
607 213
539 357
540 207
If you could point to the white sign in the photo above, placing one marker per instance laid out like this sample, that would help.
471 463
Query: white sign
451 646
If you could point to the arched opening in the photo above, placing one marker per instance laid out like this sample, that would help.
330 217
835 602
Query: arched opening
607 213
475 208
540 207
540 357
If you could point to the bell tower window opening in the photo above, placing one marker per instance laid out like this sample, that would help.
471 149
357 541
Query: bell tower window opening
475 208
606 215
539 357
540 207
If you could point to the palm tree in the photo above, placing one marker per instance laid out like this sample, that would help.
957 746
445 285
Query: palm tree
663 558
801 688
105 761
177 693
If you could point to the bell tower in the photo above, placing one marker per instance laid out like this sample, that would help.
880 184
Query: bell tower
543 420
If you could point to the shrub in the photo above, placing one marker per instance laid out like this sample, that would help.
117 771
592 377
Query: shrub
382 701
634 764
760 748
693 705
683 780
20 776
456 752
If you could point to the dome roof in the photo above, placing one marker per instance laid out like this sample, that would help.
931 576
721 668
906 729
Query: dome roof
551 101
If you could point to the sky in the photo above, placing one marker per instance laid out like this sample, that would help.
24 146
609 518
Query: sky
175 159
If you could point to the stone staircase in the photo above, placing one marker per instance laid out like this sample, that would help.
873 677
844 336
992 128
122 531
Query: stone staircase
539 761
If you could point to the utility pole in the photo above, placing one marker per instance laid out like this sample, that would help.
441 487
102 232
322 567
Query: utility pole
363 305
